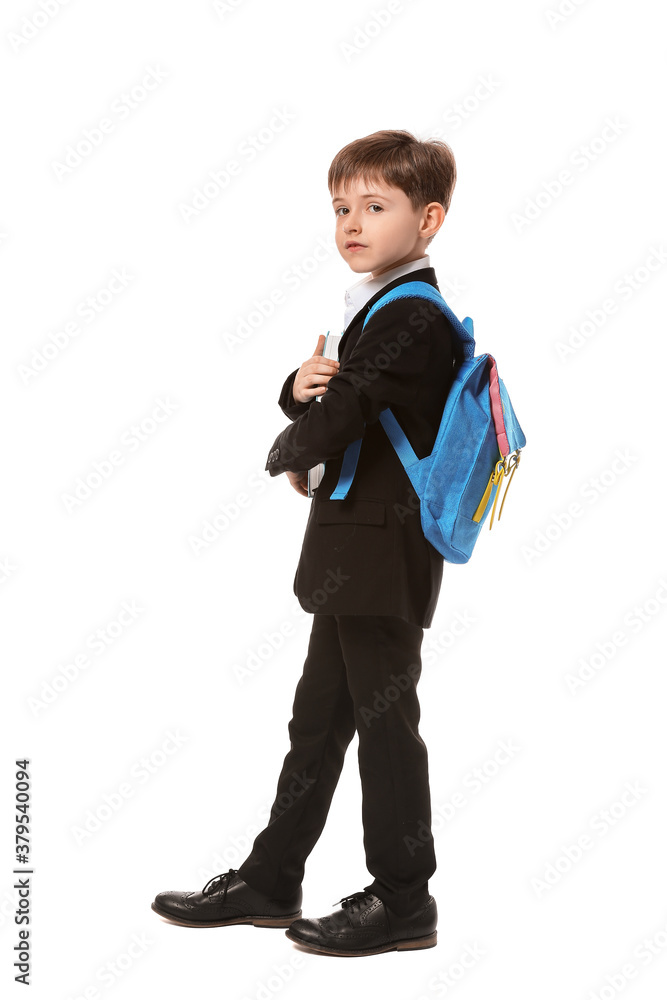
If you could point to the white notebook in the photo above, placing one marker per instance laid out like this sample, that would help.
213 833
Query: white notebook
330 350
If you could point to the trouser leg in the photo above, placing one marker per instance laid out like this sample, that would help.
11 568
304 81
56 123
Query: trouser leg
383 660
321 727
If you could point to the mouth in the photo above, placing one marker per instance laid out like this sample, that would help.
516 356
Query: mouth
352 245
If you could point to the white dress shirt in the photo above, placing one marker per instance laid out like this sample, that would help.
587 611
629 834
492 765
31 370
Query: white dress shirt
357 295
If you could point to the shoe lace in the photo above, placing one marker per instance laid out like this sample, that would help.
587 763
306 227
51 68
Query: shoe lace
355 899
225 878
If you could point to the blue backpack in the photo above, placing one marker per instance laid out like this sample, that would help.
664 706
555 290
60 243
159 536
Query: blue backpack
479 442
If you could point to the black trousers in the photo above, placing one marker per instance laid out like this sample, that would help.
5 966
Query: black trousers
360 674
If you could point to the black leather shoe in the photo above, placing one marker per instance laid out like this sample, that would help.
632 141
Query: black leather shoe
365 926
229 900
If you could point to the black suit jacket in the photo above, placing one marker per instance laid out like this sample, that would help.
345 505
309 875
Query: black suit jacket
367 554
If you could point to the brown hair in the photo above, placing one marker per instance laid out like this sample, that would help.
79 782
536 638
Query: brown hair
424 170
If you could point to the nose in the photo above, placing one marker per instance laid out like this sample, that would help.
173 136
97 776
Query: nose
350 224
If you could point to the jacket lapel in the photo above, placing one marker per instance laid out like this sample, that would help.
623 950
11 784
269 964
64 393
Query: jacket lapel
353 331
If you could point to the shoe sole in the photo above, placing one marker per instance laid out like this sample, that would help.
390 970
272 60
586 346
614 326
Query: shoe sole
409 944
256 921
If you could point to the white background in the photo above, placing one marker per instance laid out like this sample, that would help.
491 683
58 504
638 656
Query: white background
544 587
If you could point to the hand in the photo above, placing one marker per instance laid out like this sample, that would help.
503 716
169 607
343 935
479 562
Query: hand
313 375
299 481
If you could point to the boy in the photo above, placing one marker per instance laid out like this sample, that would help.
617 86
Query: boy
366 572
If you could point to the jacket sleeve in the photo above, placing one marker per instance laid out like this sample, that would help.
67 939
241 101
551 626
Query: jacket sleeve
383 369
286 401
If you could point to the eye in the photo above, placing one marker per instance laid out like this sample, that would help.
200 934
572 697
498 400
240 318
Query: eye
342 208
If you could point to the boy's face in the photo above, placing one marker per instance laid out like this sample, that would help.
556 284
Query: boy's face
382 219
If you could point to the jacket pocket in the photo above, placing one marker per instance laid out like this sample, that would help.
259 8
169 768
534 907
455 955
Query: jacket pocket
350 512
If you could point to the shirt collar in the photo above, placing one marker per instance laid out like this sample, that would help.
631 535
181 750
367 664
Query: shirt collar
357 295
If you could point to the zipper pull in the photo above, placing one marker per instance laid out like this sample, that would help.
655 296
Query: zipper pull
514 461
494 478
500 471
477 516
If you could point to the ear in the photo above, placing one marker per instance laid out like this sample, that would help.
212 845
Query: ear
434 216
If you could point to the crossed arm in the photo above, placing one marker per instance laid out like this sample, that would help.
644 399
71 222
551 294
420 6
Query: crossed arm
384 368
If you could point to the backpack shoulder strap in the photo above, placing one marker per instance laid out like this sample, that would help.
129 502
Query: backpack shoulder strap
422 290
396 434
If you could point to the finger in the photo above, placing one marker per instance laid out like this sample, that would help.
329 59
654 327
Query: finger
317 390
325 366
320 346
